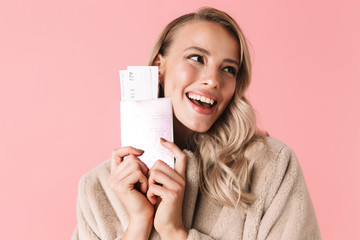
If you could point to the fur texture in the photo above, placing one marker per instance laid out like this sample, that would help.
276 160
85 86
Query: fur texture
282 210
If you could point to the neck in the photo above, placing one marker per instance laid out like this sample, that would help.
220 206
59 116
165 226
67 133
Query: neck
181 134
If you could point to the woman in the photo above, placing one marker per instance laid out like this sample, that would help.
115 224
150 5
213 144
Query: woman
232 182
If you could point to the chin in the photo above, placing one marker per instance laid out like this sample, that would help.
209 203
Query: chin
200 128
194 124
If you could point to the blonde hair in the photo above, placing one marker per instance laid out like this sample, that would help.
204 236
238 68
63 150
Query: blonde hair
224 171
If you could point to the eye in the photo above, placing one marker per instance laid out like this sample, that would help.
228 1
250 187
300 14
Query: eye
196 58
230 70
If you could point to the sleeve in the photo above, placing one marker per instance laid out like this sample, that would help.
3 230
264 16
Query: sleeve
287 212
85 217
92 221
196 235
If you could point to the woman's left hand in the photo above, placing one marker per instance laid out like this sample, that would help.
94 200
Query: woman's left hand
166 188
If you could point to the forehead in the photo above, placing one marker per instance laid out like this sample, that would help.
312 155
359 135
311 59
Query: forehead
208 35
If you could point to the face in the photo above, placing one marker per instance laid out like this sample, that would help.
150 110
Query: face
199 73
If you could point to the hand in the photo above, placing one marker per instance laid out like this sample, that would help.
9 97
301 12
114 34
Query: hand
169 185
127 173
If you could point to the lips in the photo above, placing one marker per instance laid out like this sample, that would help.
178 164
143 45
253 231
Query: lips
200 99
200 103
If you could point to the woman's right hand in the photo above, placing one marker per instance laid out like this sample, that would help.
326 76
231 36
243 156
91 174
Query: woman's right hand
128 173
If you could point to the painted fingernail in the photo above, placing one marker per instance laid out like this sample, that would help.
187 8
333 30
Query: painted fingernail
140 150
162 140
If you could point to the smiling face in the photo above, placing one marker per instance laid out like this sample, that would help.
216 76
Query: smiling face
198 72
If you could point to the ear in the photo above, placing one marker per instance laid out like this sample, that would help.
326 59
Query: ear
160 62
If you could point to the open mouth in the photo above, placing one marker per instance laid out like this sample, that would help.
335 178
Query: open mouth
201 101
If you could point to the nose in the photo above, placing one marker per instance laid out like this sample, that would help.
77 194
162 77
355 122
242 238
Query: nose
211 78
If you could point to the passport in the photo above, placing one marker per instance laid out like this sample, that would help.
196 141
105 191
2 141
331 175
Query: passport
145 118
139 83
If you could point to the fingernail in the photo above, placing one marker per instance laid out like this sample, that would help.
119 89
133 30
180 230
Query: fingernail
140 150
162 140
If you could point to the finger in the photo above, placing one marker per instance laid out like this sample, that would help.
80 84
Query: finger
136 177
127 181
143 183
117 155
134 159
124 151
153 192
180 163
163 174
129 165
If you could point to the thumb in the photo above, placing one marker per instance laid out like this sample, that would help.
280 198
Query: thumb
180 156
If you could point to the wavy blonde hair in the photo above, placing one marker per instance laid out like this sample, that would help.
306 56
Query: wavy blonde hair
224 170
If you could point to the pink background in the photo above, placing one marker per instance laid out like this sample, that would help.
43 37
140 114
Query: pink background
59 98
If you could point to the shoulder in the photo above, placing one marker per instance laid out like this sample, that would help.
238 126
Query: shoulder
276 146
283 201
272 145
94 179
273 162
98 208
270 151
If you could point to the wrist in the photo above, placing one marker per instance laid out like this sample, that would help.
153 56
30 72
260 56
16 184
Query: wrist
138 228
178 234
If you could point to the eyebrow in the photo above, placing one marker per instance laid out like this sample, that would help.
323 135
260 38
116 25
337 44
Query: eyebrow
206 52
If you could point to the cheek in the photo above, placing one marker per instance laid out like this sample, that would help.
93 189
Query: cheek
178 78
229 90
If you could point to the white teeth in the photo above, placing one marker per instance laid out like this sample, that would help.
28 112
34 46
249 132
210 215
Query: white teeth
201 98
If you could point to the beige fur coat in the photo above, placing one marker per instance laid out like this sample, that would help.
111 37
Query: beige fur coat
283 209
